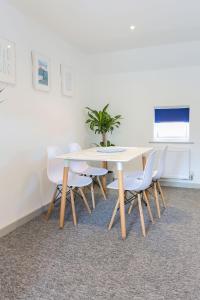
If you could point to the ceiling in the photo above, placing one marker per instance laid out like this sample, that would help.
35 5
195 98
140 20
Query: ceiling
103 25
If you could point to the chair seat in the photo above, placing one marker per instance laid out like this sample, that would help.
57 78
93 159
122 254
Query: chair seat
130 184
139 174
76 180
133 174
92 171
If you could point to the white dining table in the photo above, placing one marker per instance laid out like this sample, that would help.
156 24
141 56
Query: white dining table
92 154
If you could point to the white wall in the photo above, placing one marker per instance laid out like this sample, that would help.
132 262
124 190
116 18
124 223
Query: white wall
135 81
30 120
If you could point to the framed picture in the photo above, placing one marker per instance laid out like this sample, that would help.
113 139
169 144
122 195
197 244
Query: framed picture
41 72
7 62
67 81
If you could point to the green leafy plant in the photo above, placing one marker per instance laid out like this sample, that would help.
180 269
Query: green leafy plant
101 122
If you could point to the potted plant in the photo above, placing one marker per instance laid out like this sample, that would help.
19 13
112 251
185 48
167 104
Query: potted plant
101 122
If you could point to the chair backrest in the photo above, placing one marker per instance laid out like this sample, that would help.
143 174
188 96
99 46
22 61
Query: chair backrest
54 165
148 171
77 166
161 163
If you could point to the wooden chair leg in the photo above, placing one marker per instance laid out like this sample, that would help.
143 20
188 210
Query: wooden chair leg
113 215
73 207
92 194
85 200
141 215
148 206
51 206
130 207
156 199
63 201
161 193
102 190
148 195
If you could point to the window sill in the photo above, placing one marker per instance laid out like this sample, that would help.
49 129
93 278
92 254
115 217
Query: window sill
170 142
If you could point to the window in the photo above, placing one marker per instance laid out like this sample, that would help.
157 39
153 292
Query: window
171 123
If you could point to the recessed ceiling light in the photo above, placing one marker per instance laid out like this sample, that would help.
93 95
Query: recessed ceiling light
132 27
9 46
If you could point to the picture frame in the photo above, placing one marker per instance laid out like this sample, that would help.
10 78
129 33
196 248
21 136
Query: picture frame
40 71
67 80
7 61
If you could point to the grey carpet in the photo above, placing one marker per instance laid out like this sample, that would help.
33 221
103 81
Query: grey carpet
39 261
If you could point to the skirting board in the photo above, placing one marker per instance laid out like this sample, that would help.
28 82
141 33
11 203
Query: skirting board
180 184
6 230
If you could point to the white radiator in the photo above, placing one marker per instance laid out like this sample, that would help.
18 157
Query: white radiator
177 164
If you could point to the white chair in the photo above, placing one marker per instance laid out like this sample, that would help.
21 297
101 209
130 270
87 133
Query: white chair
157 174
55 175
81 167
138 186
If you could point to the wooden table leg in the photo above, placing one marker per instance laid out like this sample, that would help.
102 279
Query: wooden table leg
63 197
121 200
104 164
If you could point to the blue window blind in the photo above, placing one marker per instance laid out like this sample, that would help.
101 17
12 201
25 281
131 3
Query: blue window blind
172 115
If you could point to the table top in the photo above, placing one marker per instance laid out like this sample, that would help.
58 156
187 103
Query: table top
91 154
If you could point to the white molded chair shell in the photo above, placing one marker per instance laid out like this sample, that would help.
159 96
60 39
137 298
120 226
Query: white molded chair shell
157 174
130 184
148 171
54 165
77 166
55 170
138 184
76 180
133 174
82 167
92 171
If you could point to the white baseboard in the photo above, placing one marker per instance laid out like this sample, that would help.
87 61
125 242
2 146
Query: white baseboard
180 183
11 227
